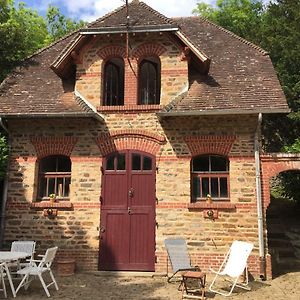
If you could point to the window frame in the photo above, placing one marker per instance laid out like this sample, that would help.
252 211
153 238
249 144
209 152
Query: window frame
120 82
210 174
155 62
65 175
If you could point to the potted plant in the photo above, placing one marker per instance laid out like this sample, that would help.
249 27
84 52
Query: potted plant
52 198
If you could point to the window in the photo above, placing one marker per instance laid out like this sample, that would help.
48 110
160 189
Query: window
113 87
210 175
149 81
54 176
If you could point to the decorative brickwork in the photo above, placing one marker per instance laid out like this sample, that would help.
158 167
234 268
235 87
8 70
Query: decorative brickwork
148 49
210 144
129 139
46 146
112 51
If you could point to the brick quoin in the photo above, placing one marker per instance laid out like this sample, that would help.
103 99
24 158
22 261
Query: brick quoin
45 146
210 144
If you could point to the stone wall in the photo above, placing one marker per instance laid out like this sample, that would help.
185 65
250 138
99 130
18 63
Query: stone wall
173 141
174 69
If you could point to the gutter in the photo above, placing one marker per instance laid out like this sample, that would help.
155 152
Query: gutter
5 189
262 258
55 115
212 112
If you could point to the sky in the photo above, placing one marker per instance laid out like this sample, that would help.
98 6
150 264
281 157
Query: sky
90 10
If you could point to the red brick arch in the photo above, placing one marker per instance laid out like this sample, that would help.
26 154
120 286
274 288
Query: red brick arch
148 49
141 140
273 164
45 146
112 51
210 144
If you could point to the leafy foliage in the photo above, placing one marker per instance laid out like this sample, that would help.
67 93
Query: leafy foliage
58 24
3 155
23 31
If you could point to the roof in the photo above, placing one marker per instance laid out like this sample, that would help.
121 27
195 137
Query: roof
241 76
33 89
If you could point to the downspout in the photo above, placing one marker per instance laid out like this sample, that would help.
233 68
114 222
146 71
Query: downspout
4 195
262 258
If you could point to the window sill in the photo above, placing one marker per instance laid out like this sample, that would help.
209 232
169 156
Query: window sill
130 108
48 204
214 205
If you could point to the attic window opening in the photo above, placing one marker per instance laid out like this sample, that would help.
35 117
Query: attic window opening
113 90
149 81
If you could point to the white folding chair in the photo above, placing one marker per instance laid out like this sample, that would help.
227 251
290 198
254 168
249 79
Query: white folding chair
233 266
2 275
22 246
37 268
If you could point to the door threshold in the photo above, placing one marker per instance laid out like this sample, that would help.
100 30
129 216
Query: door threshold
128 274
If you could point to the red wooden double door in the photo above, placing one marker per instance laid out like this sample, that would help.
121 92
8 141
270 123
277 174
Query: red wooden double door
127 229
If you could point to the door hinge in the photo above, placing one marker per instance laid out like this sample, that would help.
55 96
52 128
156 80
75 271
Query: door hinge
101 199
102 170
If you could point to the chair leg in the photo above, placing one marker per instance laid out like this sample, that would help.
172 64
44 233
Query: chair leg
3 285
53 280
22 283
44 284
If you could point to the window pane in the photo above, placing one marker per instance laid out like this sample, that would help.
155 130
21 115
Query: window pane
218 163
223 188
214 187
121 165
205 187
59 187
147 163
110 163
196 188
67 187
51 188
64 164
43 187
136 162
201 164
48 164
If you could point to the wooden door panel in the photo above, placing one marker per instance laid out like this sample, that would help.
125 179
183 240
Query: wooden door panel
114 246
143 186
141 252
115 190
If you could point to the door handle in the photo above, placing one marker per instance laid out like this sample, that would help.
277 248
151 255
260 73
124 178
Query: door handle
129 210
131 193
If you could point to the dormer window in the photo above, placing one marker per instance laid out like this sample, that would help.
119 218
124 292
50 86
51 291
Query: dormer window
149 81
113 89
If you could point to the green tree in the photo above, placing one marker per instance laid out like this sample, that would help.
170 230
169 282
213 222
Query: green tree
243 17
22 32
59 25
3 155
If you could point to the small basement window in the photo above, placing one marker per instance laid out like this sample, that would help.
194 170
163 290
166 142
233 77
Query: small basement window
210 175
54 177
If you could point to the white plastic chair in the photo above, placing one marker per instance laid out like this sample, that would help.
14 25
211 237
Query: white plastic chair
37 268
22 246
2 275
233 266
178 256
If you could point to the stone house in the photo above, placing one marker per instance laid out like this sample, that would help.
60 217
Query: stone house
131 123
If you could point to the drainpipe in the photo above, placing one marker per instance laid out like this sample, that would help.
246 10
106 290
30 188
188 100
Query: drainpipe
262 258
4 195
